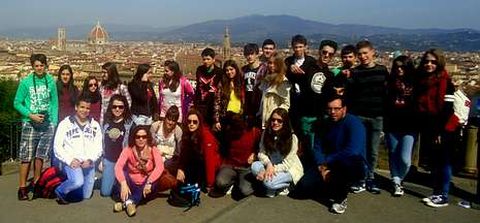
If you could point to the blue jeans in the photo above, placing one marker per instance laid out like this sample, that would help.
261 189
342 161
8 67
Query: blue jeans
442 164
77 178
400 147
281 180
374 128
108 178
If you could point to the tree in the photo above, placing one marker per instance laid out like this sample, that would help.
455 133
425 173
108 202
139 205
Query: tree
9 117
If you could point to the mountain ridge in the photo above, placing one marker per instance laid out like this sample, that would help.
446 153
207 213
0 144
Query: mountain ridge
256 28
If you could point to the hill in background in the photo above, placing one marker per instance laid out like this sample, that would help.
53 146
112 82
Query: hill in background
281 28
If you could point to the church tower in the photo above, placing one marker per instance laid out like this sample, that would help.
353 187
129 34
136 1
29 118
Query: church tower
227 53
61 39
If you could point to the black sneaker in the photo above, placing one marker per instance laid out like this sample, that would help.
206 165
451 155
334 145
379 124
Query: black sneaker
437 201
22 193
372 187
33 189
216 193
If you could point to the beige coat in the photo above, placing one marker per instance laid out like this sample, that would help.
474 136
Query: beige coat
274 97
291 163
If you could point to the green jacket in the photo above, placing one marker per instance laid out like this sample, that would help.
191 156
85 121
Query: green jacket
35 98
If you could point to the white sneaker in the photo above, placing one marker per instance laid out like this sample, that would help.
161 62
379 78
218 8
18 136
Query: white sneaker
118 206
339 208
398 190
284 192
229 191
358 188
429 198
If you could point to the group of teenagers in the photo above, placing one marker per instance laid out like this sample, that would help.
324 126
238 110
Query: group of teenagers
276 126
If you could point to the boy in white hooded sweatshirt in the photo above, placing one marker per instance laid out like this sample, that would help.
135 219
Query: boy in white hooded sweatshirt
78 144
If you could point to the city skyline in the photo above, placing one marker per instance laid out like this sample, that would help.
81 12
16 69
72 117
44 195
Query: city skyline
408 14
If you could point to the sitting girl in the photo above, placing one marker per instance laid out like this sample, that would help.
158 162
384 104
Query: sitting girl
279 166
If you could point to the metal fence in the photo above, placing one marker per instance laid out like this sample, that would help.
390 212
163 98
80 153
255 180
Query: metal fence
9 140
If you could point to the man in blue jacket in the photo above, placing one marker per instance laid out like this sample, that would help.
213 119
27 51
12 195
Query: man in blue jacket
339 153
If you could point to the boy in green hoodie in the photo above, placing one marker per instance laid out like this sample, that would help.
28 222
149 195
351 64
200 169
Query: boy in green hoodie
36 100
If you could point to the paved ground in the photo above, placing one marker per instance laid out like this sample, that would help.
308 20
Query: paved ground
362 207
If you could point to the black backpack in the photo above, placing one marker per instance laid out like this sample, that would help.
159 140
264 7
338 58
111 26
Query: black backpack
185 196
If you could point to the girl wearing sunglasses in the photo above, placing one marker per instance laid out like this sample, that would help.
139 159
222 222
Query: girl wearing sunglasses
138 169
90 92
199 157
116 130
279 166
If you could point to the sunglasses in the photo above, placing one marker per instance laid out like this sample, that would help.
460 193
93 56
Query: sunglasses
278 120
140 136
91 85
326 53
190 121
118 107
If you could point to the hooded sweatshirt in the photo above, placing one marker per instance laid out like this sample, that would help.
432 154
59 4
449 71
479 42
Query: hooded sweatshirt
37 95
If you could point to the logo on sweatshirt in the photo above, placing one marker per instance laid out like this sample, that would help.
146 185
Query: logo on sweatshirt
318 80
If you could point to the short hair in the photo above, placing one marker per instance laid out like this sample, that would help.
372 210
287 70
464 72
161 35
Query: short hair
82 98
299 39
348 49
250 48
329 43
269 42
38 57
208 52
333 97
364 44
172 113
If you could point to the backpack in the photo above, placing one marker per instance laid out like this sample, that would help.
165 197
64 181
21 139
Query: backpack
461 106
49 180
185 196
461 110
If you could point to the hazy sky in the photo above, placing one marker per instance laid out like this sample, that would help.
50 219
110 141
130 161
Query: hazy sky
159 13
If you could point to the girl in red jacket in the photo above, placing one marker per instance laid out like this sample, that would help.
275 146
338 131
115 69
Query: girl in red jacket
199 157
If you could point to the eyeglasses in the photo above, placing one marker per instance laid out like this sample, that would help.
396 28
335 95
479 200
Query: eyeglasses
118 107
192 121
91 85
140 136
334 109
278 120
431 61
